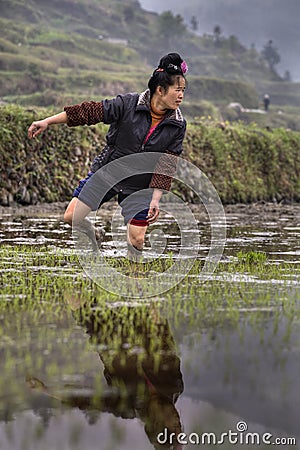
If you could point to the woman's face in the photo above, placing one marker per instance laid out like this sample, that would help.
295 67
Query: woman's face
173 96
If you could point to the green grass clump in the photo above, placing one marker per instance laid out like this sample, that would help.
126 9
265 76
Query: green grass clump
246 163
252 257
38 269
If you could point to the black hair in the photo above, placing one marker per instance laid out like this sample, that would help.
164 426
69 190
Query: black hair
169 69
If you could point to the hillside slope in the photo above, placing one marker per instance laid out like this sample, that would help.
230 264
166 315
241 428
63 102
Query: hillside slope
63 51
254 22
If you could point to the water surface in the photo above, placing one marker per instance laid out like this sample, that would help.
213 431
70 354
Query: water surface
109 373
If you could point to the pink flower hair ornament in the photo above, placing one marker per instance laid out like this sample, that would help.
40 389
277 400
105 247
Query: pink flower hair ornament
184 67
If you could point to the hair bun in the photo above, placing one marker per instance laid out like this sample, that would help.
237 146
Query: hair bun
170 58
171 63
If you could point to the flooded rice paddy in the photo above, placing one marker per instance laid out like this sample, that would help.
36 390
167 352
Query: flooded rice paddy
217 361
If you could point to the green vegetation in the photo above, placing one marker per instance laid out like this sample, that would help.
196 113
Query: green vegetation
45 274
30 169
284 94
63 52
244 162
252 263
220 92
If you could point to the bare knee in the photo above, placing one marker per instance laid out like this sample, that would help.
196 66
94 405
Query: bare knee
136 236
137 242
68 217
69 212
76 212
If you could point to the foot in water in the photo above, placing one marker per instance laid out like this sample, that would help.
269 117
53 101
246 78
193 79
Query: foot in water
95 234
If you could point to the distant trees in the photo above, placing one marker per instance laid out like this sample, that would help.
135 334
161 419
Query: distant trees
170 26
271 55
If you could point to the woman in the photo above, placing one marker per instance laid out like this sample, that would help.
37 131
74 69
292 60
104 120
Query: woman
139 123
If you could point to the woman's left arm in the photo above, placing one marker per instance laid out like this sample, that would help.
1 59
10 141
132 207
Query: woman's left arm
163 174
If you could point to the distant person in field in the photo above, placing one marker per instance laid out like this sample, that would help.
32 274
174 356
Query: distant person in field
266 102
139 123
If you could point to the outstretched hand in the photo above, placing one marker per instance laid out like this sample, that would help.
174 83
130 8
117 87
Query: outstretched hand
37 127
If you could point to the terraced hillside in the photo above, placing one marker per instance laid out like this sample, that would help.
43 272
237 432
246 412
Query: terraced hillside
53 53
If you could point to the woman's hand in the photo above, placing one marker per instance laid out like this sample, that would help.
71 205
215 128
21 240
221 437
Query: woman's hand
153 212
37 127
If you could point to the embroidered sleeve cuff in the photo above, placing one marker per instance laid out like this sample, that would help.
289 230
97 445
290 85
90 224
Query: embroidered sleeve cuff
86 113
164 171
162 182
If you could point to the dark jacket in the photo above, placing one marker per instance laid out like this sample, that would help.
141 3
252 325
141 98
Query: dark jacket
130 121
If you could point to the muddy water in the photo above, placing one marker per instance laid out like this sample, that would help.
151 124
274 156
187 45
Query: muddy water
62 385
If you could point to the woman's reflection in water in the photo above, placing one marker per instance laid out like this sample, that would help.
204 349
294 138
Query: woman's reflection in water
141 366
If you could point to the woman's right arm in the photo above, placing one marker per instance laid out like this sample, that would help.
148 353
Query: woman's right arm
39 126
85 113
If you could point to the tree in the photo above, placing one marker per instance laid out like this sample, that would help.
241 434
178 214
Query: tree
129 13
287 76
271 55
217 34
234 45
170 26
194 23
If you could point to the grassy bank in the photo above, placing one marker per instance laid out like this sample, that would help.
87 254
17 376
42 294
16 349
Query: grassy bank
244 162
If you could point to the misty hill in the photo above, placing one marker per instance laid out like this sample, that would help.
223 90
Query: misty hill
253 22
53 53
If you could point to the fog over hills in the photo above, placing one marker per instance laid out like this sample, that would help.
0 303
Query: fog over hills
251 21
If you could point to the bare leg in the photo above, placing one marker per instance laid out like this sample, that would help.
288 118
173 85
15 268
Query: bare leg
135 241
75 215
76 212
